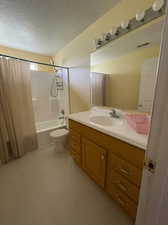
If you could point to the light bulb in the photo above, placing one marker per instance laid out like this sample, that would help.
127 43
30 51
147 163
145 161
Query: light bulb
107 36
157 5
114 30
140 16
98 42
125 24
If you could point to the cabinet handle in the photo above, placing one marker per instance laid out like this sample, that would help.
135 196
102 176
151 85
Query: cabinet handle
122 187
126 172
103 156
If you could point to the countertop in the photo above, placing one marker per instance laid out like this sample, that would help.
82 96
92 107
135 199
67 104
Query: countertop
122 132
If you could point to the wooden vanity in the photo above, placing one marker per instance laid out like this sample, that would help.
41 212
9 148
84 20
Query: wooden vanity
114 165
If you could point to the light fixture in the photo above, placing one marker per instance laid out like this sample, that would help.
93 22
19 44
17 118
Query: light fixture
98 42
107 36
157 5
140 16
114 30
125 24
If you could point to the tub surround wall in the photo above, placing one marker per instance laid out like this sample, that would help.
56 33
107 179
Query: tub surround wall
48 108
45 107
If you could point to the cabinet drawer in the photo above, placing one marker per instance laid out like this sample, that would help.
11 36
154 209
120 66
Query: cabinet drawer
128 205
123 184
127 170
74 136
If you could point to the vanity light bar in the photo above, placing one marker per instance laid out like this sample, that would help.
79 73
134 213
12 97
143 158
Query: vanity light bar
129 26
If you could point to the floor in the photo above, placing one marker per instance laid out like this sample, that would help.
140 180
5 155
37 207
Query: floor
47 188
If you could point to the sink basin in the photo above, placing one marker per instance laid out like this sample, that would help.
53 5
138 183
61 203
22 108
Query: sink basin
102 120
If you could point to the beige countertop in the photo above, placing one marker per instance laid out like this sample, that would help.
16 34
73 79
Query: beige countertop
120 130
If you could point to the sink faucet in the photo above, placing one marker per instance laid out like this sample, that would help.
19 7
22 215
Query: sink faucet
114 114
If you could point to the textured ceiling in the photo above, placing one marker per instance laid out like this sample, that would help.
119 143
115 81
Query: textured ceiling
46 26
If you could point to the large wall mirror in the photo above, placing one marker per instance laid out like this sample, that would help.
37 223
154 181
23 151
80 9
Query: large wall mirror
123 73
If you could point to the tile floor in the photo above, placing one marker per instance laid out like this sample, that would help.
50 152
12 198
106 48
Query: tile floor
47 188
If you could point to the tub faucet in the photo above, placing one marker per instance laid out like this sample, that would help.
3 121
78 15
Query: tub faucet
61 117
62 114
114 114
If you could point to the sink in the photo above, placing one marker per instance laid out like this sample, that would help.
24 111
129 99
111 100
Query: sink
102 120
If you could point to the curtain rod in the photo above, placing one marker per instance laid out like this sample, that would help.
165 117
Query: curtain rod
30 61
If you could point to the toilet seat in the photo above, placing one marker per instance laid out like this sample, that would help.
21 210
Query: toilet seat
59 133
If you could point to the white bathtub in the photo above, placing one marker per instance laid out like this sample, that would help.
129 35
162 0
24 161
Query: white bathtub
49 125
43 130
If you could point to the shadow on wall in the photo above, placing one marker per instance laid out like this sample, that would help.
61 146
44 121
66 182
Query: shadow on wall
79 78
79 103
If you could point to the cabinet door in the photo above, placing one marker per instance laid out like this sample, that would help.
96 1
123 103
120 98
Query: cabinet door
75 147
94 161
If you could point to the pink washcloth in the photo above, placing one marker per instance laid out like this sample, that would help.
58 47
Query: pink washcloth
139 122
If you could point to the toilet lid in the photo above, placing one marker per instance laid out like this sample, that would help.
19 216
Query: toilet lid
59 133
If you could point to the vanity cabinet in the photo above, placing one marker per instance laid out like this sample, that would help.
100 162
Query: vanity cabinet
114 165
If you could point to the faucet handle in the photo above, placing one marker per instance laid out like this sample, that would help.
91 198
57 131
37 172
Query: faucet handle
113 113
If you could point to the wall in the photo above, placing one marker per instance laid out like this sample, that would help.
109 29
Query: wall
77 52
79 88
123 83
27 55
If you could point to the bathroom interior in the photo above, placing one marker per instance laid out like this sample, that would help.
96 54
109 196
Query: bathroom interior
75 122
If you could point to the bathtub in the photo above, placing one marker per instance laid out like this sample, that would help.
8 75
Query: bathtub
49 125
43 130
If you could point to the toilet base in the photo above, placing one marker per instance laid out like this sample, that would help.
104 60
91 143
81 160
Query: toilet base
60 139
60 147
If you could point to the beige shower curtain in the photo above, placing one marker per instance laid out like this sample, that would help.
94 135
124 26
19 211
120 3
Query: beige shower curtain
17 125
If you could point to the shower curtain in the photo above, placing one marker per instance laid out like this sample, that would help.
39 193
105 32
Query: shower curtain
17 124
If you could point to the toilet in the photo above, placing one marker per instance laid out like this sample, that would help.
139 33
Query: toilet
59 138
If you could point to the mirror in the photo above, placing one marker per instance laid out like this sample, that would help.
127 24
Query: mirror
123 73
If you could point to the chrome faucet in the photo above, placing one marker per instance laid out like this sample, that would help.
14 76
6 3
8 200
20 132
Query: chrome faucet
62 114
114 114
